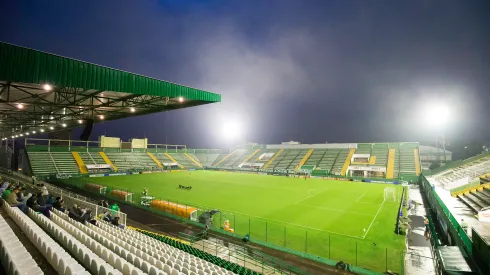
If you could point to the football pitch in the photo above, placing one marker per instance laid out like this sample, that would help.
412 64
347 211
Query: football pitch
339 220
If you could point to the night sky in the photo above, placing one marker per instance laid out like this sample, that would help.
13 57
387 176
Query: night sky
311 71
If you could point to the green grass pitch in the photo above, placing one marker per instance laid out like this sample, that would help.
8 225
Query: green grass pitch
339 220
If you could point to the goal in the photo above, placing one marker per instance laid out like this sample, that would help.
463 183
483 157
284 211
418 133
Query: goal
390 194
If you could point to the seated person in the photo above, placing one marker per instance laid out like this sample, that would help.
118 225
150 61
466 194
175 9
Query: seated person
115 222
33 203
59 204
4 187
78 214
13 201
104 203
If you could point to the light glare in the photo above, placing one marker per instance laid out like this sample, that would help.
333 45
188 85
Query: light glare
20 106
47 87
51 128
64 124
181 99
132 109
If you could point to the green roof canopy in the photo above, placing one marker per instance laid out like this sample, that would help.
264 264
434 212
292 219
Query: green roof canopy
39 90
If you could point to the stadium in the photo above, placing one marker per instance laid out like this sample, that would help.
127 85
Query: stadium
289 208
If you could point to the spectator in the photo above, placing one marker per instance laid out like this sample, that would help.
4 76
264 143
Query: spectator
115 209
7 192
104 203
59 204
4 187
40 199
32 202
20 194
78 214
115 222
51 200
44 190
13 201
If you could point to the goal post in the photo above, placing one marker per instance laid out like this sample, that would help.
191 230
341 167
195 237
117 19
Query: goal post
390 194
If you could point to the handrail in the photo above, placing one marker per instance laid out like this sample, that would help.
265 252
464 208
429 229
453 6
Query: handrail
246 252
69 197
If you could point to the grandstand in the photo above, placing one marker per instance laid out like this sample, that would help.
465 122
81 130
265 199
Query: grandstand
367 160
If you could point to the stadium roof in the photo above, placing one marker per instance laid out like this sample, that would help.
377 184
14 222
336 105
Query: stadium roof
42 92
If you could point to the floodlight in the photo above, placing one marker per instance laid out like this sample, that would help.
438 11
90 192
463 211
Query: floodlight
64 124
16 135
80 121
13 136
181 99
42 130
51 117
27 133
132 109
231 130
47 87
20 106
101 117
51 128
437 115
21 135
33 132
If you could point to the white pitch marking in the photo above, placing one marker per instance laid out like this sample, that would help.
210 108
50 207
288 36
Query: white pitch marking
310 196
302 226
338 210
361 196
381 206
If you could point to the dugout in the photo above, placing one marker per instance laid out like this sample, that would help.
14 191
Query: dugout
180 210
366 171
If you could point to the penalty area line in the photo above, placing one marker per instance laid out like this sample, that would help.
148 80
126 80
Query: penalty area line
302 226
361 197
367 231
310 196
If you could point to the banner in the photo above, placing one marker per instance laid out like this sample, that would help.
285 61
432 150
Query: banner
98 166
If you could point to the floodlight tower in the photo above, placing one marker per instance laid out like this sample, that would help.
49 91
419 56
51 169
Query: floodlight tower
437 116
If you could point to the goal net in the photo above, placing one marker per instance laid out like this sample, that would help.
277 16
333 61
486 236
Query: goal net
390 194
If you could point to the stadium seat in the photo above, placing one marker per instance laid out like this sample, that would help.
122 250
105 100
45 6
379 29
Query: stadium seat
13 255
58 258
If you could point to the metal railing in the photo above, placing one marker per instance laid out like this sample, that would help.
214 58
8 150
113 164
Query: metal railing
69 198
240 254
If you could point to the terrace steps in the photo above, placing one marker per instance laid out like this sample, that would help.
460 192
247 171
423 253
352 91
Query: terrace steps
391 164
173 160
273 158
193 160
159 164
107 160
347 161
80 163
304 159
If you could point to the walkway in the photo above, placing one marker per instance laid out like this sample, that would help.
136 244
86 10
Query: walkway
418 259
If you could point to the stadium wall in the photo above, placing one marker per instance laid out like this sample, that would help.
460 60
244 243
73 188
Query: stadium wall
477 249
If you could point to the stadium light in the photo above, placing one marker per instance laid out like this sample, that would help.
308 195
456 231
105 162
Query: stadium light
27 133
231 130
80 121
64 125
101 117
51 128
132 109
42 130
437 115
33 132
20 106
181 99
47 87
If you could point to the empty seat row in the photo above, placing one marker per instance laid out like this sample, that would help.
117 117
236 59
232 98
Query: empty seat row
173 258
58 258
90 260
115 245
13 255
110 257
